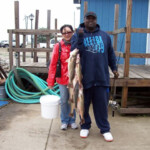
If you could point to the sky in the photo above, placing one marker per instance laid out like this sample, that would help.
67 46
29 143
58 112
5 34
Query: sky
64 10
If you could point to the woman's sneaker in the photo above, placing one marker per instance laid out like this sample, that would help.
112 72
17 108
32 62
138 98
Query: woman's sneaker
74 126
63 126
84 133
108 137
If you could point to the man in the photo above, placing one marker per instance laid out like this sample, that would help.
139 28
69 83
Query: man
96 54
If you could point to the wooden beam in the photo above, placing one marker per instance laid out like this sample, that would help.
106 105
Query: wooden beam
85 7
121 30
130 82
127 52
124 97
134 110
48 37
35 32
128 37
17 27
140 30
55 29
116 26
36 69
140 55
24 45
32 49
35 59
10 51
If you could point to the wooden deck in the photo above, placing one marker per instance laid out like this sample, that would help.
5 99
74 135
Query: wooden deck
139 75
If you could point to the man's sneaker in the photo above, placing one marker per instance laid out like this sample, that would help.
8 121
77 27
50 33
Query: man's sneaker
84 133
108 137
74 126
63 126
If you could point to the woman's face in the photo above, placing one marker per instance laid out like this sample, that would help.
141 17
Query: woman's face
67 33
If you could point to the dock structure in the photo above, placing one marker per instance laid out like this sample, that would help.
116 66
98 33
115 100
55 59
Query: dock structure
130 75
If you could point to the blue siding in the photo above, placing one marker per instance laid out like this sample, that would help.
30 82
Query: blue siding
139 20
105 12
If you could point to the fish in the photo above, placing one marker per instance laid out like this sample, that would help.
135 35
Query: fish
75 86
80 106
71 65
78 71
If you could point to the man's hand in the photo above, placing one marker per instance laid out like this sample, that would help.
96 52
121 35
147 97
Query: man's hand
116 74
80 31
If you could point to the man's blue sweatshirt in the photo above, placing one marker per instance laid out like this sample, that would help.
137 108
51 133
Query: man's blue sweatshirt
96 54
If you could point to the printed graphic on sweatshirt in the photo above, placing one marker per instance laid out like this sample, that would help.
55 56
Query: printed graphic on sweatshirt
94 44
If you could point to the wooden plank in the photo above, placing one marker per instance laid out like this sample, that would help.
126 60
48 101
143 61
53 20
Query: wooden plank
121 30
127 52
116 26
134 110
11 61
124 97
133 73
142 68
17 27
85 7
34 31
117 31
36 69
24 45
140 30
138 83
131 82
32 49
140 71
140 55
48 37
35 59
128 38
55 29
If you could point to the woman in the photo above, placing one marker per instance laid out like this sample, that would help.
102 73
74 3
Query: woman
67 32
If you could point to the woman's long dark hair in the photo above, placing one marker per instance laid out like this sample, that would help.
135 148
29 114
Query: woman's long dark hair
66 25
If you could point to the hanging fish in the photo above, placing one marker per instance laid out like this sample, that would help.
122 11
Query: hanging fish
71 65
75 85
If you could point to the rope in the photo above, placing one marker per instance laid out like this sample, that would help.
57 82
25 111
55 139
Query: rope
22 95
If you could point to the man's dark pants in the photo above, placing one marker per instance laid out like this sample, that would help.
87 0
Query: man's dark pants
99 96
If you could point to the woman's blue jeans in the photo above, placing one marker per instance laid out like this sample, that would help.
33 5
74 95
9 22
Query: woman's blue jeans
65 106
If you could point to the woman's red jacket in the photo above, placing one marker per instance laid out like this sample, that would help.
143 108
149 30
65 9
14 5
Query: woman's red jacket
65 53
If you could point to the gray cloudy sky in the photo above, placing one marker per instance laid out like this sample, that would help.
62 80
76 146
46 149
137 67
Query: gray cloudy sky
63 10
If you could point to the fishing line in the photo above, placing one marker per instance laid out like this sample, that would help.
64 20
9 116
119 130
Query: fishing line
112 102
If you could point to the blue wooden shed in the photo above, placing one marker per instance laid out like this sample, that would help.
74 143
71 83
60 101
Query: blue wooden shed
140 42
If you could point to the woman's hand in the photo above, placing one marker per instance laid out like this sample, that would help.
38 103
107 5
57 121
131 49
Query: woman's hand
50 87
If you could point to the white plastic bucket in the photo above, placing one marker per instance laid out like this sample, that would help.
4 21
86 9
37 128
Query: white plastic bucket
49 106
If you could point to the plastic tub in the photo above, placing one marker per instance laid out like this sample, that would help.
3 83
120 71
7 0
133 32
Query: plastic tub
49 106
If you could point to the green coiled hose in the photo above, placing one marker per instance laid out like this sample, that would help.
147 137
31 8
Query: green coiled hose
22 95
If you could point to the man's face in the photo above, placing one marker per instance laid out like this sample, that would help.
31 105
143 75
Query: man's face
90 22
